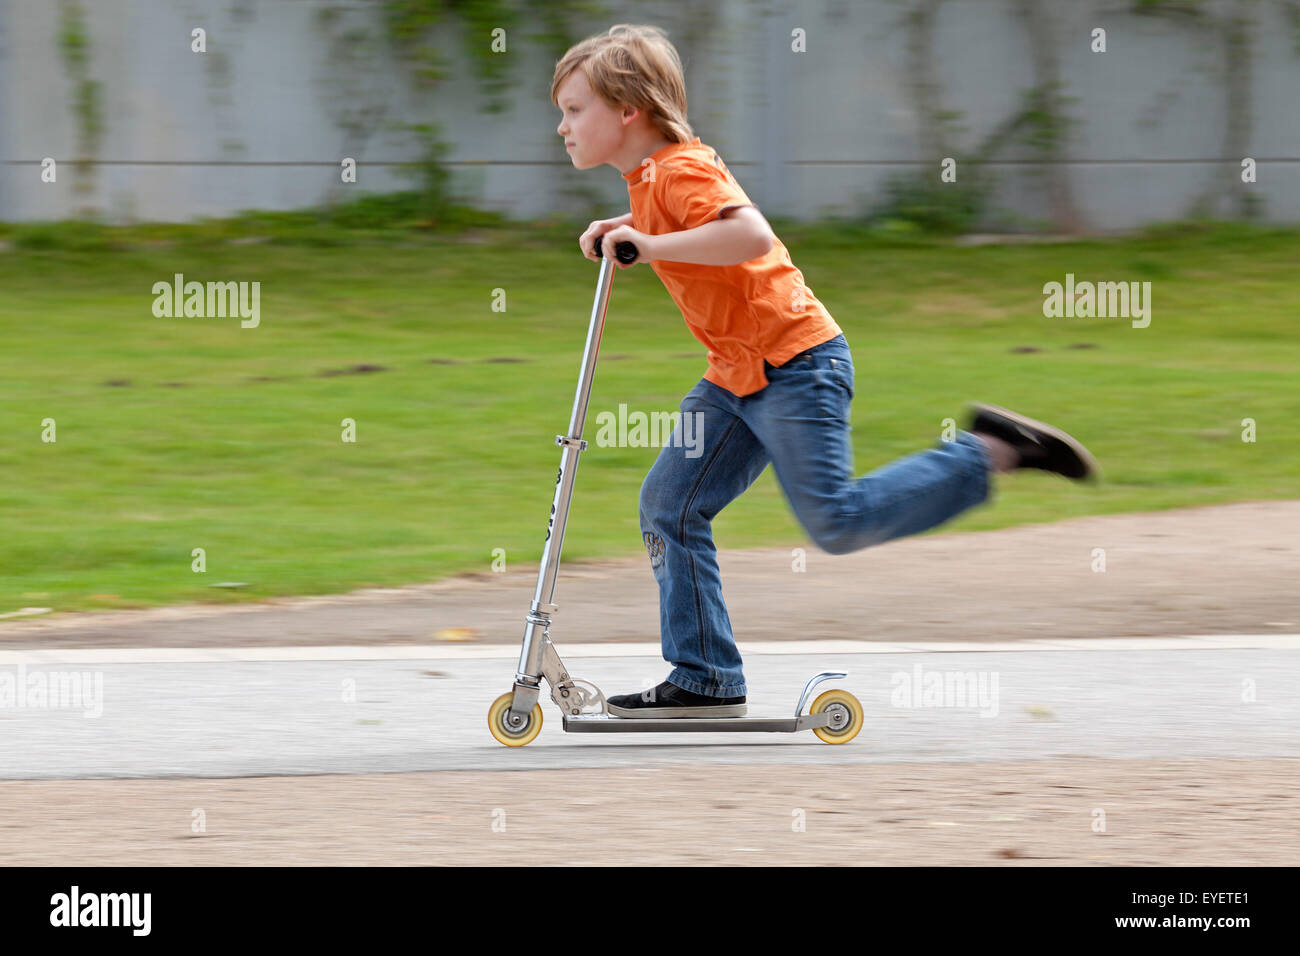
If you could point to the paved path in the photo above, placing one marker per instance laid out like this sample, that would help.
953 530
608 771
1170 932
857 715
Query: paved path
283 717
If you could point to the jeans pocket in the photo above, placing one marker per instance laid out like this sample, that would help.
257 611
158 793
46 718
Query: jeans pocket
842 371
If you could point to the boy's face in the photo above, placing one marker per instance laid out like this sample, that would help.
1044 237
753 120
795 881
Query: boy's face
593 130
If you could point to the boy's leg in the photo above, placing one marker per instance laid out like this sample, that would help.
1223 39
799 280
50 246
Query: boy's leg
711 459
802 419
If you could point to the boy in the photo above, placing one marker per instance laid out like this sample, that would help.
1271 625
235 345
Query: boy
779 379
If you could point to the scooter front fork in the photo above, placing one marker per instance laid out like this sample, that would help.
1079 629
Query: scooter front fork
540 660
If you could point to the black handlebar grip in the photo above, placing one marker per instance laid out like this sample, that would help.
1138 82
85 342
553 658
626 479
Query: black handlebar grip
624 252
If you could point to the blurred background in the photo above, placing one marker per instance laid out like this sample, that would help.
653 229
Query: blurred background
438 303
827 109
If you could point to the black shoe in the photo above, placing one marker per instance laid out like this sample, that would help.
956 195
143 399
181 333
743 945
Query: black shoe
669 700
1040 446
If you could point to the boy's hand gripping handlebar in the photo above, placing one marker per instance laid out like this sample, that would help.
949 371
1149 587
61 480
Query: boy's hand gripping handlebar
624 252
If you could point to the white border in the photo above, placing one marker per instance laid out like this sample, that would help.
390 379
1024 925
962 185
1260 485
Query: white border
471 651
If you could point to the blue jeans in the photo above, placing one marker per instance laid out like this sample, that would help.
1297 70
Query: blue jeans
800 423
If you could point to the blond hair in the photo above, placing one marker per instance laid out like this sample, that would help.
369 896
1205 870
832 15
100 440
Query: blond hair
634 66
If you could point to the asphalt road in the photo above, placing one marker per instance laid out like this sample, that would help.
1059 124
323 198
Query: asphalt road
224 719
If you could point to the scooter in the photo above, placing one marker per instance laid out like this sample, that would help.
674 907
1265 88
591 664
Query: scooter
515 718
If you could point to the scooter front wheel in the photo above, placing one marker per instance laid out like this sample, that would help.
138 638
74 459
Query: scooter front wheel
502 731
846 716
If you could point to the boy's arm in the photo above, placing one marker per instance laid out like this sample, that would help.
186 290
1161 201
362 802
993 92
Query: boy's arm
738 235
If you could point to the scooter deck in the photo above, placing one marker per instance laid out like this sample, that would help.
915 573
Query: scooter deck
608 723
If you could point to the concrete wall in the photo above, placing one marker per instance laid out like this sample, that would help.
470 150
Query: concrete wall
262 119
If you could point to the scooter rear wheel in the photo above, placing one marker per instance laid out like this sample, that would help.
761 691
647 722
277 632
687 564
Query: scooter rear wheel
497 714
846 705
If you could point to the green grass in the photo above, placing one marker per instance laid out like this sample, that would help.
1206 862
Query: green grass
228 439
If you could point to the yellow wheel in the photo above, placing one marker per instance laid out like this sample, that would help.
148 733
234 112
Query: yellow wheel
513 737
846 716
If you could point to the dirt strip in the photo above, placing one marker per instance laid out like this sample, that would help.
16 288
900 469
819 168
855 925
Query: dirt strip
1041 813
1225 569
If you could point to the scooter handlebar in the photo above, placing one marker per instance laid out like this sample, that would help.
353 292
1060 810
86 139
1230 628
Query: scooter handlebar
624 252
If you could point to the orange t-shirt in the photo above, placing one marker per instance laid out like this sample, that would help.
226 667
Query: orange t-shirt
743 314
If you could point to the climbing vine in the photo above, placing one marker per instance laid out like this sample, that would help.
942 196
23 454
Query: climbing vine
74 49
489 32
411 23
1041 123
1291 8
1232 26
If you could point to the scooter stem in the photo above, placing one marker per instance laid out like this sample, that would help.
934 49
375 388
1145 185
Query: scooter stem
572 444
